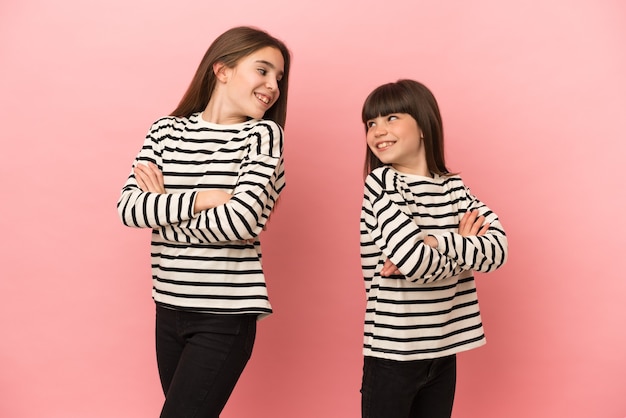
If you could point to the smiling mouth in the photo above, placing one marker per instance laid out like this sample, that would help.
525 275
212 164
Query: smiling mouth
384 145
265 99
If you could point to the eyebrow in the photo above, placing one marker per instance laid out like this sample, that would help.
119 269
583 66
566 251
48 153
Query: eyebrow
269 64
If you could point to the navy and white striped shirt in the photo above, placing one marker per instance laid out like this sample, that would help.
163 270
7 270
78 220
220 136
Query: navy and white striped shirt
202 262
432 309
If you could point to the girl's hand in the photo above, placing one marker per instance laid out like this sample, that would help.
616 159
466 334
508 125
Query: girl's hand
431 241
209 199
472 224
149 178
389 269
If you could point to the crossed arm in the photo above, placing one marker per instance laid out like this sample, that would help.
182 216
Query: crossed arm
471 224
150 179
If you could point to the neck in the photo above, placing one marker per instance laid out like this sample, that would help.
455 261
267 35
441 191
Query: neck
418 171
218 111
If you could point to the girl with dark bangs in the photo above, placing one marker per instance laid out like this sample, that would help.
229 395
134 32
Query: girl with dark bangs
423 234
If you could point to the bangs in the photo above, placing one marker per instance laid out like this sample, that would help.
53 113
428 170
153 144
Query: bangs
386 99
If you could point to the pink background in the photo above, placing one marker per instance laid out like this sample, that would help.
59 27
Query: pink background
533 95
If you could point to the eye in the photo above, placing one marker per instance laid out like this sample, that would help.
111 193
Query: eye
392 117
370 124
262 71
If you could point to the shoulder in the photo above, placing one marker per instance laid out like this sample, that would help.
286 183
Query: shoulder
168 124
266 124
453 182
452 177
173 121
267 129
269 137
379 179
381 173
458 189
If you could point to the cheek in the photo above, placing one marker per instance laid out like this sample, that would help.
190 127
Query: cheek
371 146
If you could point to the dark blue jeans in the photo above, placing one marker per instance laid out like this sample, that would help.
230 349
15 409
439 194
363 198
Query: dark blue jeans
408 389
200 358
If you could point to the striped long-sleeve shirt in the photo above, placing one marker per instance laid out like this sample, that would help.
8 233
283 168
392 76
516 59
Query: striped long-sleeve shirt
431 310
201 262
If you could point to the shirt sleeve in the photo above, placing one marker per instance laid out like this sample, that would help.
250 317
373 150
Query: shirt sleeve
140 209
483 253
261 179
400 239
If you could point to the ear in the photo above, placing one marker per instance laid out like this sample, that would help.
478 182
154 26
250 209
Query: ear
221 71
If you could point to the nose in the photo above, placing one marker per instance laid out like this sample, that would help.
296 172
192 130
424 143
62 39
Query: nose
379 130
272 84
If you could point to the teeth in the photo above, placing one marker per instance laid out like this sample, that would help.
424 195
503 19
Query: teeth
384 145
264 99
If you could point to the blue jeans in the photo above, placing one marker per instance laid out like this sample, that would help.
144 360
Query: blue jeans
200 358
408 389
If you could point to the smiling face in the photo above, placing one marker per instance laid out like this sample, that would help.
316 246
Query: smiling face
396 139
387 107
249 88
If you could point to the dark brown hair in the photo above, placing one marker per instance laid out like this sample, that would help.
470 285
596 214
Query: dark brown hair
414 98
229 48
